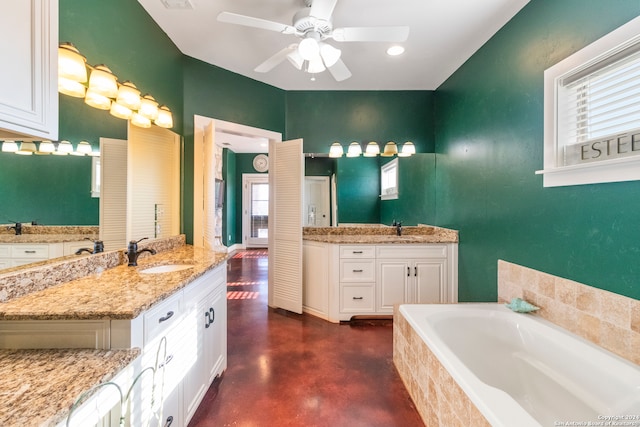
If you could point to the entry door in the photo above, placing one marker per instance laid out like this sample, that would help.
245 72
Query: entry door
255 209
286 184
316 201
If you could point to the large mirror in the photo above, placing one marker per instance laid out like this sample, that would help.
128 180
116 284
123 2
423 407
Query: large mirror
357 189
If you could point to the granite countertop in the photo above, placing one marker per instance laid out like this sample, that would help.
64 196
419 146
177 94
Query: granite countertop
38 387
121 292
380 234
47 238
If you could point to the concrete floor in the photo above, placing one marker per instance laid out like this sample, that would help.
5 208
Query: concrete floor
298 370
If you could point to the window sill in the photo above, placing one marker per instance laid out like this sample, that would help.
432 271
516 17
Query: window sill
615 170
389 196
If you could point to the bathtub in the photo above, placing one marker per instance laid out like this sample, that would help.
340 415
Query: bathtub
520 370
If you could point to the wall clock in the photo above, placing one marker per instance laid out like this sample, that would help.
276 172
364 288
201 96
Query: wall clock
261 163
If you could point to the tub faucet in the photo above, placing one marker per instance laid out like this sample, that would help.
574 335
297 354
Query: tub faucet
17 227
133 252
98 246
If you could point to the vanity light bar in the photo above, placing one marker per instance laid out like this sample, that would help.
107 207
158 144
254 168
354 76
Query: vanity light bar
372 150
61 148
103 91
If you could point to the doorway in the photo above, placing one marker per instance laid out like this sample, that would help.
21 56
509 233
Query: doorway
255 210
317 202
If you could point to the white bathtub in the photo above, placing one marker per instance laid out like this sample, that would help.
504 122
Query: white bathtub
520 370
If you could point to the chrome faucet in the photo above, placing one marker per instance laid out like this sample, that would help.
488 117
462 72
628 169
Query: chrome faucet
133 252
98 246
17 227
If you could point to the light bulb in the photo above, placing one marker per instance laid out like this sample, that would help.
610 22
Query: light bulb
309 48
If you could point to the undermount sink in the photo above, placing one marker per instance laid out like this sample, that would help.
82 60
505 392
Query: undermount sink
166 268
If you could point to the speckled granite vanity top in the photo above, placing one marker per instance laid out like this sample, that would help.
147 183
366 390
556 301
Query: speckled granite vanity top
121 292
379 234
37 387
48 234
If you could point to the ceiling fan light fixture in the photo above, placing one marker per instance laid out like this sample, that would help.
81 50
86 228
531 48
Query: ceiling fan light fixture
315 65
295 59
309 48
330 55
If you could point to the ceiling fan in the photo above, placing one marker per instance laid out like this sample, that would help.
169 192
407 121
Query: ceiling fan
313 26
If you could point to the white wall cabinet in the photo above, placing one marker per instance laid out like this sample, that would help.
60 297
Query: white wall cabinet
28 77
360 280
17 254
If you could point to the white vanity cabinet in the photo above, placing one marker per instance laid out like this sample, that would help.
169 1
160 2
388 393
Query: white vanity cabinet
17 254
414 274
29 72
341 281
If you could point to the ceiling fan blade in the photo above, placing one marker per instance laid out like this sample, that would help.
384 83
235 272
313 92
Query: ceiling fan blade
371 34
339 71
249 21
322 9
276 59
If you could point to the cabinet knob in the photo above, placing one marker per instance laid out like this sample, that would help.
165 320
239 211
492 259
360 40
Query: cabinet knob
166 361
168 422
408 271
415 271
207 322
165 318
29 252
212 313
357 271
357 298
357 252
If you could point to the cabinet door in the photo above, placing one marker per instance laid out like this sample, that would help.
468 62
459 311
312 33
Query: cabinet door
393 281
194 382
215 340
28 77
429 279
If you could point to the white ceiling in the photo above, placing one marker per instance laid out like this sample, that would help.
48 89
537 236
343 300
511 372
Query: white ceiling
443 35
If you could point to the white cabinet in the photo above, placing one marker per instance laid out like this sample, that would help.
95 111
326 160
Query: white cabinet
361 280
207 300
29 72
16 254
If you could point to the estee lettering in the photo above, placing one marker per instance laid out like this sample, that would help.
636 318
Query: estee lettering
611 147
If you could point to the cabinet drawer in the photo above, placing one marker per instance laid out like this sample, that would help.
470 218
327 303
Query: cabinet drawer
357 299
357 271
161 318
403 251
357 251
30 251
5 251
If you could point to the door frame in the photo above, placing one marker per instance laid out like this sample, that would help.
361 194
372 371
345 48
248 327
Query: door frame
247 179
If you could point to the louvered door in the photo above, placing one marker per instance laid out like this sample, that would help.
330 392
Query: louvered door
286 183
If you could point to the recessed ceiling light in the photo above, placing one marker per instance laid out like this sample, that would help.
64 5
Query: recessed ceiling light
395 51
177 4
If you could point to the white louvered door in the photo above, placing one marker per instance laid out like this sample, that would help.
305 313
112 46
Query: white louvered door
153 170
209 183
286 184
113 193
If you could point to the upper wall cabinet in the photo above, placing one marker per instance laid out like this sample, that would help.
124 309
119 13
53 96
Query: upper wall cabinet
29 71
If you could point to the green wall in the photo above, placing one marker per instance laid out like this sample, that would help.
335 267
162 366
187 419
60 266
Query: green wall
322 117
358 184
489 140
213 92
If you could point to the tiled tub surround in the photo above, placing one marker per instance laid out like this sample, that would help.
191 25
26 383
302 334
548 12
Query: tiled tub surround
379 234
438 398
607 319
38 387
20 281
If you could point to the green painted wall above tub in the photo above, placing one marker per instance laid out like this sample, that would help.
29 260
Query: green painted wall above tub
489 136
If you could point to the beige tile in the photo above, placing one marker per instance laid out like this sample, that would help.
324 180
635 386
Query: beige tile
615 339
616 309
588 300
565 291
545 285
634 348
635 316
588 327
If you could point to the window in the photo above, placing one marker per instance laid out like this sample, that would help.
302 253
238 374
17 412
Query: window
592 114
389 180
